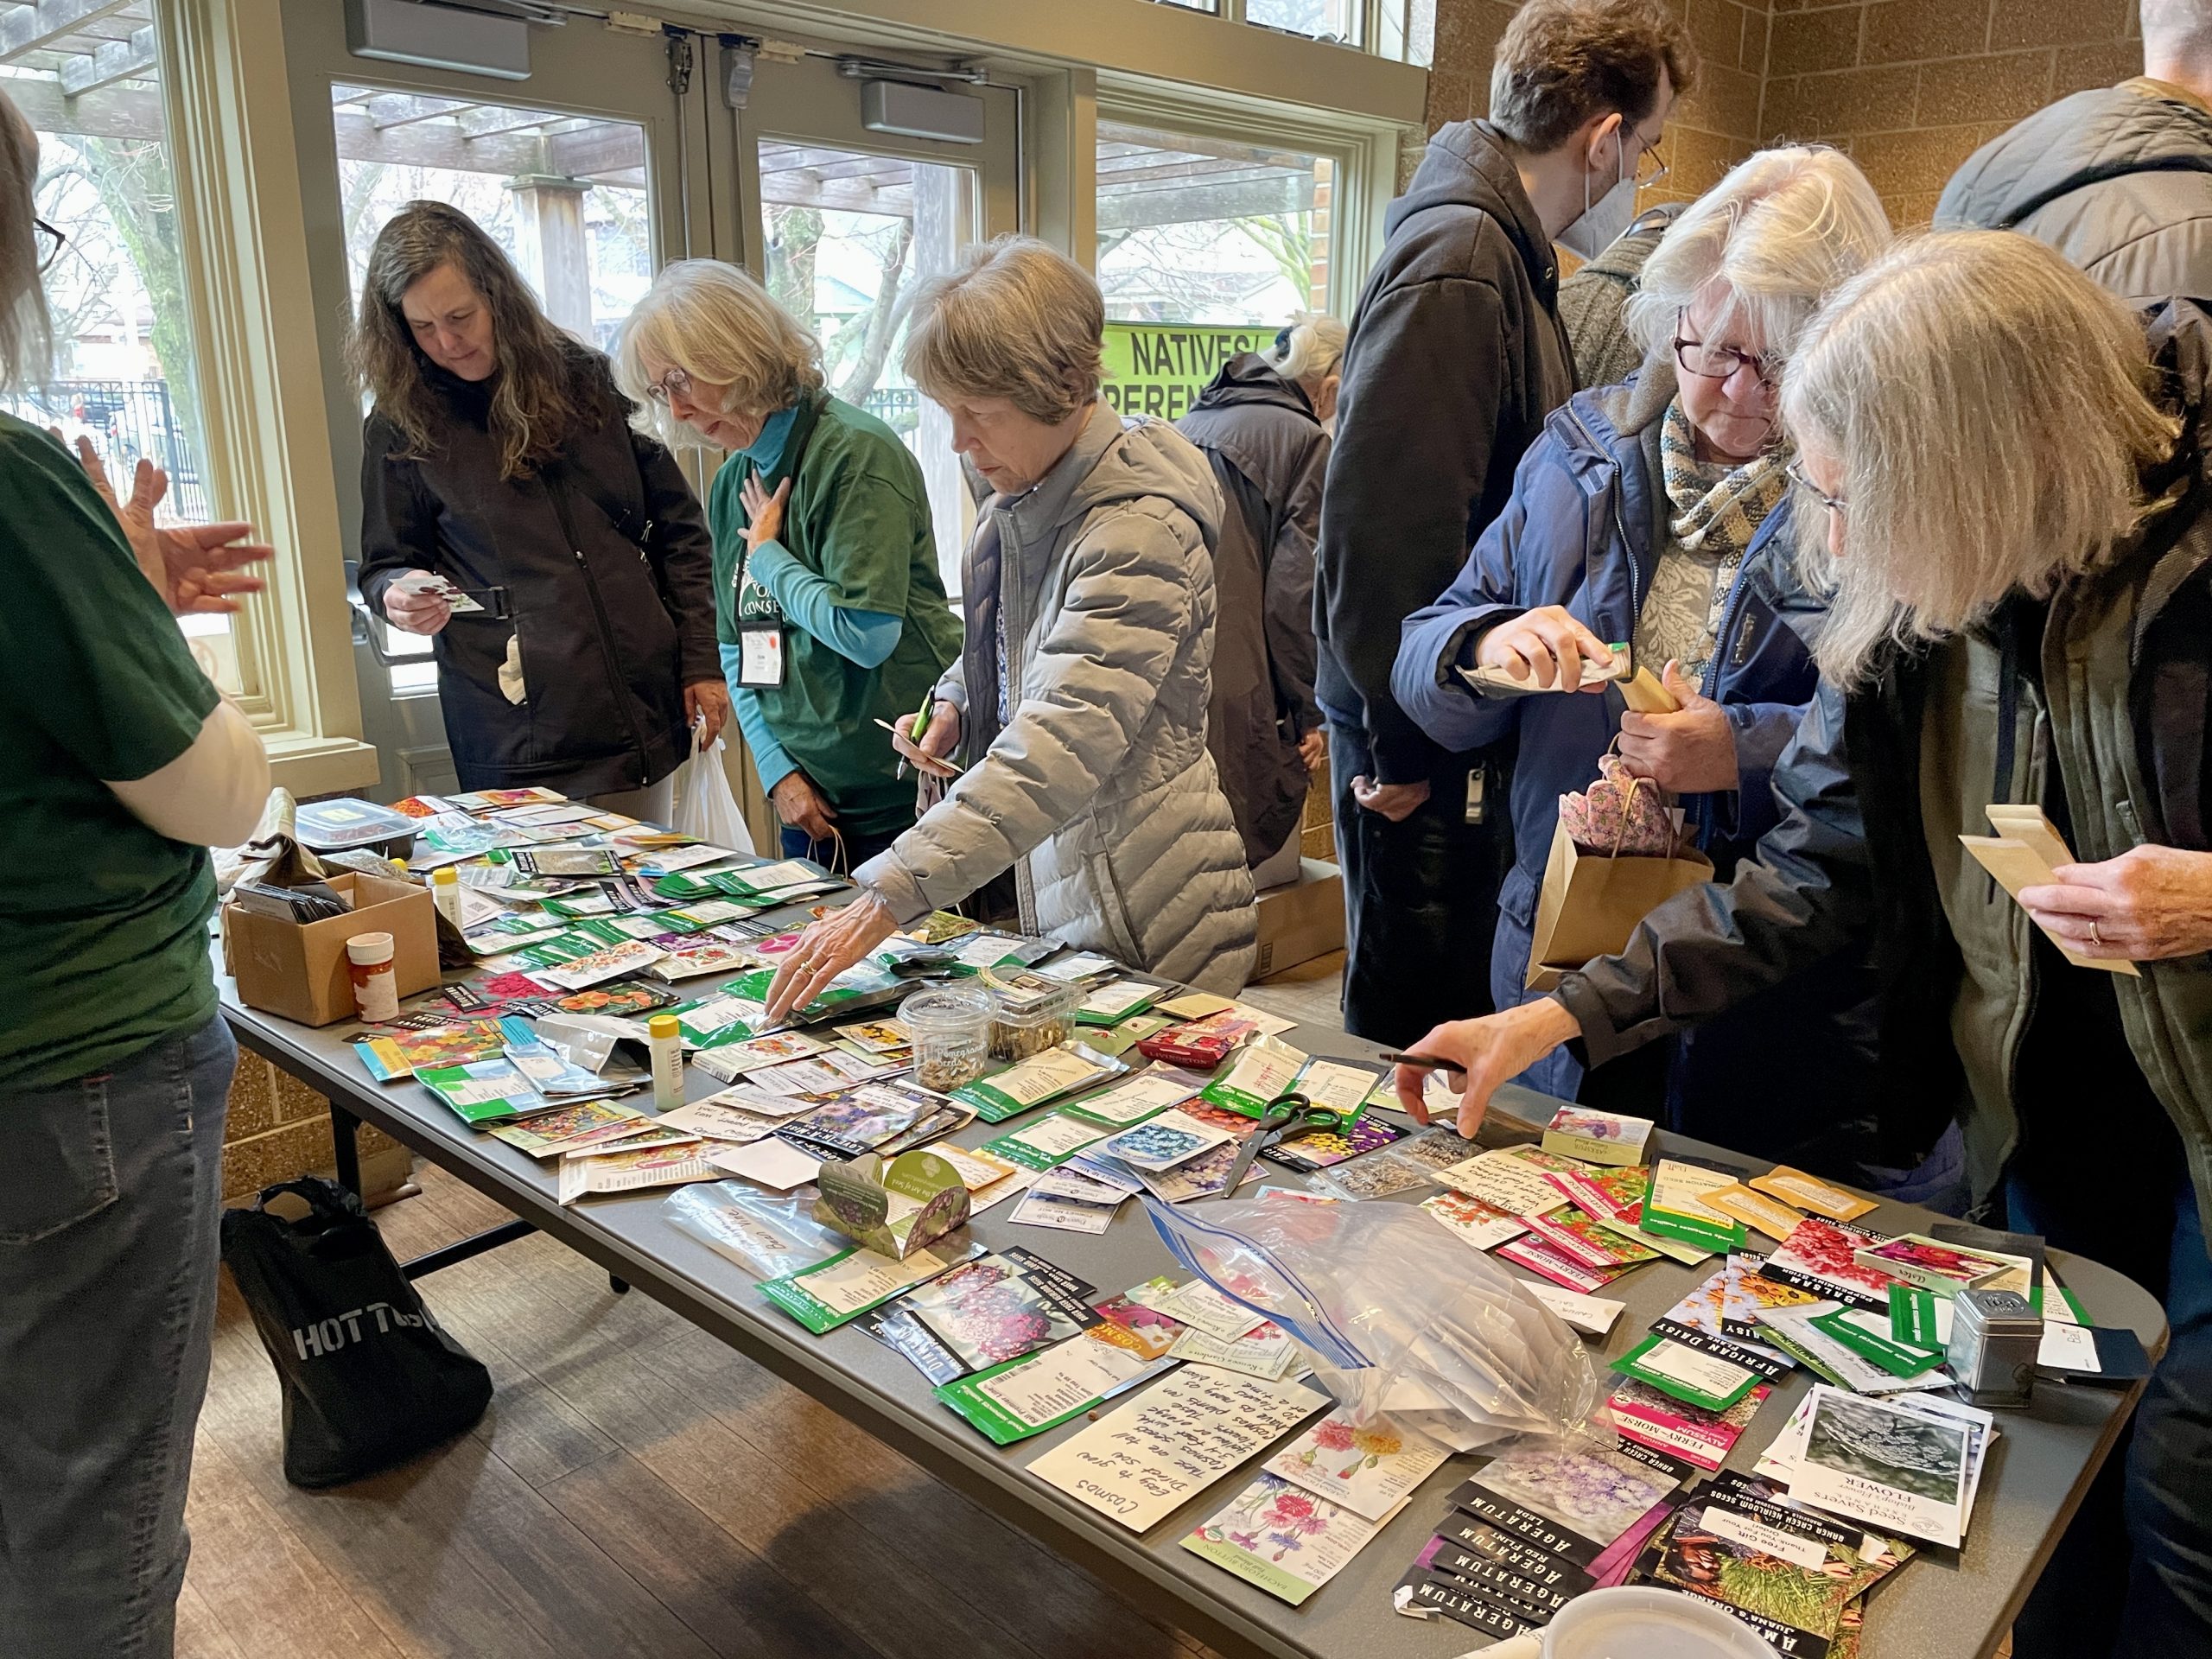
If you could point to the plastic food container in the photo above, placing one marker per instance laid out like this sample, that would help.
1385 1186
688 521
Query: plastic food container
951 1032
1031 1020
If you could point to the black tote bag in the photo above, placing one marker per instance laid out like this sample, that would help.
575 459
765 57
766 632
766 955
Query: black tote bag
369 1377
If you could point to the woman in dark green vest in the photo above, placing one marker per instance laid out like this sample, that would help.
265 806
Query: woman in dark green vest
828 604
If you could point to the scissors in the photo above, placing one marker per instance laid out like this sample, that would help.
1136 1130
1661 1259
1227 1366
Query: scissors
1283 1117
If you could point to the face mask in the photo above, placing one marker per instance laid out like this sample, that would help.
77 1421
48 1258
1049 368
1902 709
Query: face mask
1605 218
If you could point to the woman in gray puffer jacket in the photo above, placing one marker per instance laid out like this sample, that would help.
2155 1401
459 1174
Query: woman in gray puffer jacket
1080 696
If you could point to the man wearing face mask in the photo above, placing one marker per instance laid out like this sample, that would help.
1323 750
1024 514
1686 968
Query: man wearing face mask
1456 358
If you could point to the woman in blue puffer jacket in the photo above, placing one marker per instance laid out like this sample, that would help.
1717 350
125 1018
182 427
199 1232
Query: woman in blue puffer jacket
1656 513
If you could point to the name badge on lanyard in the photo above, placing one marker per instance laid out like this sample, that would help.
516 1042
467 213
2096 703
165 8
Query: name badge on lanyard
760 633
760 656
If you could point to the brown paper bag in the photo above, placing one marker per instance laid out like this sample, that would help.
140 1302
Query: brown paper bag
1590 903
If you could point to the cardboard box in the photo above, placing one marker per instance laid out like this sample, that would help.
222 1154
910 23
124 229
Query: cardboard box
1301 919
298 969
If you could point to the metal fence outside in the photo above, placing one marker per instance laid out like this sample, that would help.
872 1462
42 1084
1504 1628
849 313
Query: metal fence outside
125 419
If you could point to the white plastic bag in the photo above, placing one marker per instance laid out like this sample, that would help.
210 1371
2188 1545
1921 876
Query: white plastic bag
703 804
1397 1315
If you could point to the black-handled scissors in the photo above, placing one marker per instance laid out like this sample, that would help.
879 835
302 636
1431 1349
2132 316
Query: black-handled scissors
1282 1118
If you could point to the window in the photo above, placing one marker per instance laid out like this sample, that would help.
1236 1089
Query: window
1323 20
1206 230
125 370
850 237
564 196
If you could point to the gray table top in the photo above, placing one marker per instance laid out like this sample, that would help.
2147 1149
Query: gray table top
2036 1475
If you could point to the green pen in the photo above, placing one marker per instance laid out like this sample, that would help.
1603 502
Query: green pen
922 720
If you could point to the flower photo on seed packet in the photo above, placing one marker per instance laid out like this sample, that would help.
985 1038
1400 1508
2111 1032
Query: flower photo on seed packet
1272 1518
1143 1330
1597 1494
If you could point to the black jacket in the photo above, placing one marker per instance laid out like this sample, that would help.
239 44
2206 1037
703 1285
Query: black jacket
1268 453
1850 860
1456 358
614 623
2118 179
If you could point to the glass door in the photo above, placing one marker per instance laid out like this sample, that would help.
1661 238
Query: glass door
589 174
848 221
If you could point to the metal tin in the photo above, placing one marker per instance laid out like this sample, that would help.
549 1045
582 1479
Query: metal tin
1995 1337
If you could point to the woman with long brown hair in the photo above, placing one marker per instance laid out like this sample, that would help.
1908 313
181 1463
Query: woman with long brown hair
559 559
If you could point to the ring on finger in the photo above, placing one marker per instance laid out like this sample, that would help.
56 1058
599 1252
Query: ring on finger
2096 937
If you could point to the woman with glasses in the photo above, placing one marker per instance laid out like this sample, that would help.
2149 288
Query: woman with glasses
1653 515
829 607
558 561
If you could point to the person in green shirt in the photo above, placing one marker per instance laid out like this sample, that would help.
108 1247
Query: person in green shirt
122 765
828 604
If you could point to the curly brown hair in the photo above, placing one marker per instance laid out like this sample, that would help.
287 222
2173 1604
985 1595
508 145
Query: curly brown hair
1562 62
542 391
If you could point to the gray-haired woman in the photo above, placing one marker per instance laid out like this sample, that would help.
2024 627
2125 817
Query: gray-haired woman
1080 696
122 765
2005 486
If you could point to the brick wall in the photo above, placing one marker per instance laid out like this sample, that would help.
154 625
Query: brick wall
1909 87
1912 87
279 1128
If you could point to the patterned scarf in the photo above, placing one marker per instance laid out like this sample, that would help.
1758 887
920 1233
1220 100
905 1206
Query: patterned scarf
1717 506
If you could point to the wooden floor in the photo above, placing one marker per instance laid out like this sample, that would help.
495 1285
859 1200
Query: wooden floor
637 1489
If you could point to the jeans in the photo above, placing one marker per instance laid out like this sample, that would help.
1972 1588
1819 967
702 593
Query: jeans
1420 901
858 848
2132 1577
110 1194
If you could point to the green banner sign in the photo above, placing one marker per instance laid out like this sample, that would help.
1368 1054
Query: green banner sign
1158 368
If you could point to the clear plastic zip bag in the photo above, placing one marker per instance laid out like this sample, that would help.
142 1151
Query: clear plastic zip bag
1397 1315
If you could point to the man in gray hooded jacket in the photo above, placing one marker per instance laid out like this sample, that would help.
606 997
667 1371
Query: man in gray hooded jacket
2119 179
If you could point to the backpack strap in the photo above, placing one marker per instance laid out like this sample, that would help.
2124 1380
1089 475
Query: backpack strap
2101 173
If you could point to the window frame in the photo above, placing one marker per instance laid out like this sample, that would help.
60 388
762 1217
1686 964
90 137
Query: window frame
233 163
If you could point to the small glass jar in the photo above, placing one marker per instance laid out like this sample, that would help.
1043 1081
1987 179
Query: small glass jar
951 1028
1030 1021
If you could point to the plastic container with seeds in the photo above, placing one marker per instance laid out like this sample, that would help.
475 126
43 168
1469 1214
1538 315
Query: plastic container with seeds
951 1032
1033 1014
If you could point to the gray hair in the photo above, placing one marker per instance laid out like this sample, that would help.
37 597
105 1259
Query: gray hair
26 333
1013 319
717 324
1784 227
1315 346
1991 411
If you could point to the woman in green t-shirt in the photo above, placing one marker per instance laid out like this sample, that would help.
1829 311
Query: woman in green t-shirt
828 604
121 767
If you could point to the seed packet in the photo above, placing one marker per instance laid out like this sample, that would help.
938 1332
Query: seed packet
1376 1176
1702 1379
1164 1141
1321 1148
1285 1540
1643 1414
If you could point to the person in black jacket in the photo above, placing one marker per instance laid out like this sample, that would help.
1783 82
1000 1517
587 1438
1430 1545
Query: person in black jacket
1263 423
498 460
1456 358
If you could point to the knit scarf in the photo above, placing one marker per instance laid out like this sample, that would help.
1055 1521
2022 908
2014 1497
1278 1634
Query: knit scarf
1717 506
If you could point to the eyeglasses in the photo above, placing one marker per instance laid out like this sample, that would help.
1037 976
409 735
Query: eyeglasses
1834 504
673 384
1718 362
1651 166
52 242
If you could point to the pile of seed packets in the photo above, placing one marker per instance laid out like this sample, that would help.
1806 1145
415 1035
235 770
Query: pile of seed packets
583 926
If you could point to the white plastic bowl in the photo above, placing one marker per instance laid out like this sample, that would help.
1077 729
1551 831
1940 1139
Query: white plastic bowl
1645 1621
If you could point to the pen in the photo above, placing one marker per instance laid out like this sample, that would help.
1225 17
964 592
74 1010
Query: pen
1430 1060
